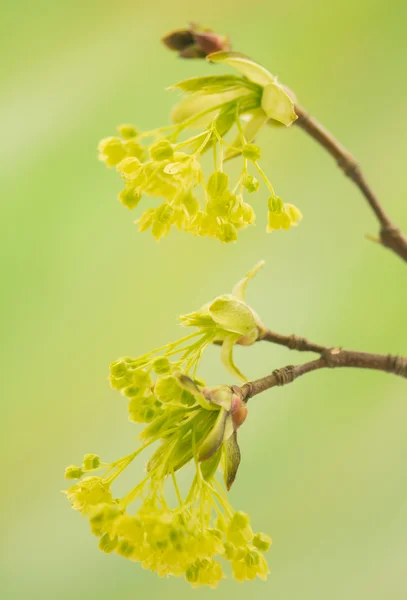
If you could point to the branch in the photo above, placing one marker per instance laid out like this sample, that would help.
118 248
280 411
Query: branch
330 358
390 236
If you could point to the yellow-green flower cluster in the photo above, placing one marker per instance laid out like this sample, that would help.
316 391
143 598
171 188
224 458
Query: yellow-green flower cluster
190 538
187 423
169 166
151 381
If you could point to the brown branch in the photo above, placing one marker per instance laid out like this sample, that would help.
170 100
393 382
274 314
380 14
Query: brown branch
330 358
390 236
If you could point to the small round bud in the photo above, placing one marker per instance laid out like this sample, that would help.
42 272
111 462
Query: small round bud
240 520
111 151
90 461
262 542
129 168
127 131
162 150
161 365
108 544
218 183
275 204
118 368
73 472
251 152
130 198
250 183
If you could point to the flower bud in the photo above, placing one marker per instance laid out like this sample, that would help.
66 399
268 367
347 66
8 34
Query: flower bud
111 151
129 168
73 472
162 150
251 152
108 544
250 183
161 365
217 184
130 198
127 131
262 542
90 461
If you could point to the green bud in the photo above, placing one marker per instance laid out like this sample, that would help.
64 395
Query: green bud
118 368
127 131
218 183
161 365
73 472
251 152
129 168
90 461
111 151
252 558
227 233
240 520
161 150
192 573
108 544
262 542
250 183
130 198
275 204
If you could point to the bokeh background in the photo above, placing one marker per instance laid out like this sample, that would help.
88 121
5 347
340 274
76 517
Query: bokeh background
324 459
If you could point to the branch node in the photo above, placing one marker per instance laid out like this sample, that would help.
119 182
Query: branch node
285 375
297 343
397 365
330 356
349 166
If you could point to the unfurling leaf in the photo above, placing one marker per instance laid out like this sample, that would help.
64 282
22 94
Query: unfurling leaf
232 460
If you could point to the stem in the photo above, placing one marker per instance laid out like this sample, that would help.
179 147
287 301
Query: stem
390 235
330 358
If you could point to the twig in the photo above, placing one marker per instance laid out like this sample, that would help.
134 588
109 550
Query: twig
330 358
390 236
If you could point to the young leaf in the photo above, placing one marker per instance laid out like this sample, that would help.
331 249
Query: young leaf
232 460
250 69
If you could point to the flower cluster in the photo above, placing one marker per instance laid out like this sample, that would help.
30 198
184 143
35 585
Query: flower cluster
189 538
188 423
169 166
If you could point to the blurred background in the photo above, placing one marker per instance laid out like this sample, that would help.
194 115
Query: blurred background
324 460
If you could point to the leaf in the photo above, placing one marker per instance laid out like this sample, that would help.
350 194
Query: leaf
227 356
232 460
250 69
199 102
209 467
257 119
232 315
277 104
214 438
239 291
212 84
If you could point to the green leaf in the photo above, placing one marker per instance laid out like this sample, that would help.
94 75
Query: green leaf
239 291
214 438
277 104
209 467
232 315
227 356
250 69
232 460
212 84
199 102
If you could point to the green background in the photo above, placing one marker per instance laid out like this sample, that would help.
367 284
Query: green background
324 460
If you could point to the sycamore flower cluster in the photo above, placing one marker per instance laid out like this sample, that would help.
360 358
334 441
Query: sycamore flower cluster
187 423
169 166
